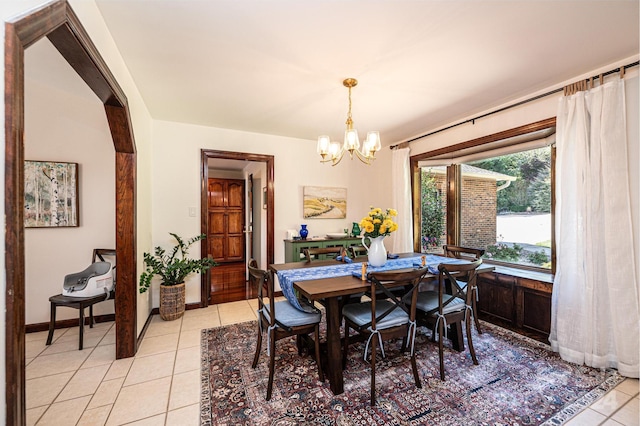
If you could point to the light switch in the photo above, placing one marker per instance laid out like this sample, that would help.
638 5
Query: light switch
192 212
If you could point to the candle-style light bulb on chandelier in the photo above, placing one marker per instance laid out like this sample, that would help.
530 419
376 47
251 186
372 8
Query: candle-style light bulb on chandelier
333 151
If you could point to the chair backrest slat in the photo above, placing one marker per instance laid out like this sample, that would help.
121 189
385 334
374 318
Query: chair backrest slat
448 272
312 253
384 281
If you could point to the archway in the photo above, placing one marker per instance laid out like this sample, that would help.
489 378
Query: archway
61 26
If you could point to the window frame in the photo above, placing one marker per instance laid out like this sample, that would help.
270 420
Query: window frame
454 180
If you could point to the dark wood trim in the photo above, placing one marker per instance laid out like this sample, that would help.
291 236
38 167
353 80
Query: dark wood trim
68 323
516 131
126 253
14 235
269 160
57 21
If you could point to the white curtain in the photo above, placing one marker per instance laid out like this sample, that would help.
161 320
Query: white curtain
594 313
401 184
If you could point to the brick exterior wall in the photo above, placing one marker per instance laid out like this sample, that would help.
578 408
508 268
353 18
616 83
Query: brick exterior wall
479 210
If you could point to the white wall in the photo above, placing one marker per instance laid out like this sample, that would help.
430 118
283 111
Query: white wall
92 21
176 177
67 126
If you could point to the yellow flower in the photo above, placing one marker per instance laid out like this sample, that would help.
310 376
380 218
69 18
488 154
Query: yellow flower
378 222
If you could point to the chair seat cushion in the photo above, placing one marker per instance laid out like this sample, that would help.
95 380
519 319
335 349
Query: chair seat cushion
360 314
428 301
290 316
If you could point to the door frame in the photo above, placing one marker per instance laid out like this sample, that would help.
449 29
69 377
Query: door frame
206 155
59 23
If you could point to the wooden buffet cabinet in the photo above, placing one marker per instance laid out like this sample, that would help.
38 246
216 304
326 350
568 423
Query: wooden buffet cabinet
519 300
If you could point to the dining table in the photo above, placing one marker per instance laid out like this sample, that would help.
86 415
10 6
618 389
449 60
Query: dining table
331 282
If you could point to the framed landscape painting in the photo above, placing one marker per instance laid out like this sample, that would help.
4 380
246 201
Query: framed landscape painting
50 194
324 202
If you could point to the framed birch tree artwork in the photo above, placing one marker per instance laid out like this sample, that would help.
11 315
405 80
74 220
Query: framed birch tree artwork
50 194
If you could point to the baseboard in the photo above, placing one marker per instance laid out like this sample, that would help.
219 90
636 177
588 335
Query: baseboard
187 307
44 326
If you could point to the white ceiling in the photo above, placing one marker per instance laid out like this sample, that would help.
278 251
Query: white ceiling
277 66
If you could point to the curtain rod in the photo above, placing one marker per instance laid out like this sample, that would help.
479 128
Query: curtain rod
535 98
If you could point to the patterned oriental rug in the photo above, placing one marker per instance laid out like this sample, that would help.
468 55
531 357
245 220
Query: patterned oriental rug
519 382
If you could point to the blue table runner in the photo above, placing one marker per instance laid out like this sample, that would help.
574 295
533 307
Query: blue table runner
288 277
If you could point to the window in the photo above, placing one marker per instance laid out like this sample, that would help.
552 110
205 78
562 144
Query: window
506 207
493 193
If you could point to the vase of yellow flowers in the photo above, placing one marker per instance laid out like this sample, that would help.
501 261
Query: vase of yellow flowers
376 226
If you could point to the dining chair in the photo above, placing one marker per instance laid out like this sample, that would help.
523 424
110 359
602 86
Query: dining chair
380 319
467 253
440 309
314 253
356 251
280 320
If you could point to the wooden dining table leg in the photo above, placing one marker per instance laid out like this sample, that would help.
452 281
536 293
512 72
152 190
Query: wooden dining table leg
334 350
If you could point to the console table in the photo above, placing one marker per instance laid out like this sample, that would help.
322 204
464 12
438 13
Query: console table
294 249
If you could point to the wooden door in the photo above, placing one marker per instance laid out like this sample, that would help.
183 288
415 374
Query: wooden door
226 219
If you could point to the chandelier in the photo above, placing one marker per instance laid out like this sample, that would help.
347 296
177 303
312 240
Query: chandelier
334 151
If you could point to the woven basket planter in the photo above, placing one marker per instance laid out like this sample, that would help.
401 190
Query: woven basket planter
171 302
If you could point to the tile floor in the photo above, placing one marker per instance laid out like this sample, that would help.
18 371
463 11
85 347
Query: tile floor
161 384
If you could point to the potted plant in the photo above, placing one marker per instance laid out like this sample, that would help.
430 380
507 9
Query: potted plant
172 268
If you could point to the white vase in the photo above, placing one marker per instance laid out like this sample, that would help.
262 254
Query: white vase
376 251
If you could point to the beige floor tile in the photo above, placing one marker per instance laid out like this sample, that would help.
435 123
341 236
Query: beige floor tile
95 416
84 382
629 414
629 386
44 390
611 422
200 322
108 339
158 344
34 414
119 368
101 355
138 402
28 360
33 348
185 389
37 336
610 402
209 310
186 416
150 421
587 418
106 393
64 413
189 338
59 346
150 368
162 328
187 360
46 365
236 312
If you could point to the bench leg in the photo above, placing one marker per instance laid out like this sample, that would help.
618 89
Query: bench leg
52 323
91 321
81 325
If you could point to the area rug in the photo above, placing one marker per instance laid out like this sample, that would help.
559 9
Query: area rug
518 381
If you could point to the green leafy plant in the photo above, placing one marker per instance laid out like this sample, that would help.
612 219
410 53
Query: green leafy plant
432 212
538 257
502 251
174 266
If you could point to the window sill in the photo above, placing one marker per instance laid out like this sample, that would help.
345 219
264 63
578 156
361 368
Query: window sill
546 277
